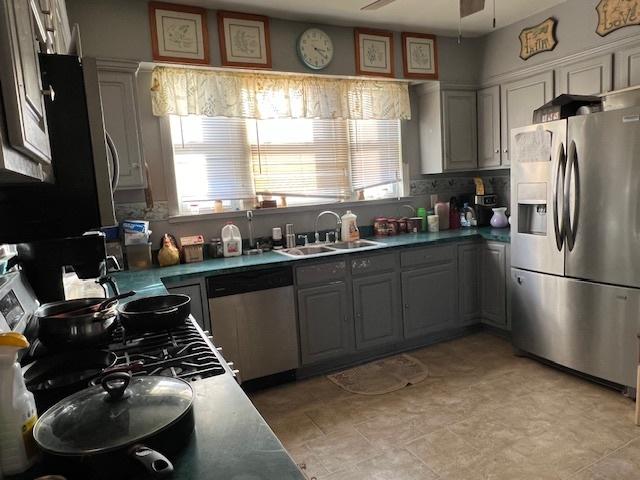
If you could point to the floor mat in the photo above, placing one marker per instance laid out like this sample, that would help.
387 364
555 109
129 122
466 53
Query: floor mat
382 376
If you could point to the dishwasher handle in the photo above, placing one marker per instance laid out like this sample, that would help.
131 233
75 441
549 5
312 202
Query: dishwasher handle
249 281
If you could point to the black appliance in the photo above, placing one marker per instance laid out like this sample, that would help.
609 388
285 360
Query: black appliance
484 205
80 198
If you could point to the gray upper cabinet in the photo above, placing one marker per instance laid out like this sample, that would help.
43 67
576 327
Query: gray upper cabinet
22 34
326 325
376 308
518 101
469 283
627 64
489 127
447 124
493 283
119 105
459 130
586 77
429 297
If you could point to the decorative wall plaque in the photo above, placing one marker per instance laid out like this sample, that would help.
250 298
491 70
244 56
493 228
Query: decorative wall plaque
539 38
615 14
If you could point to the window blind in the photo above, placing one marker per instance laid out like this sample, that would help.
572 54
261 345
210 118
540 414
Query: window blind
374 148
211 158
300 157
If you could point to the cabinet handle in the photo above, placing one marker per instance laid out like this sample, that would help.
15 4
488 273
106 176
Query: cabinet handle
505 151
406 306
49 92
345 319
497 150
135 165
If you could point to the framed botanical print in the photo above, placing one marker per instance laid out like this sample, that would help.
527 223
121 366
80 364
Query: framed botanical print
244 40
179 33
374 52
420 55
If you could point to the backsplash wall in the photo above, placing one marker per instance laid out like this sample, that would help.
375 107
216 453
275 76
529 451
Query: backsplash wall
445 186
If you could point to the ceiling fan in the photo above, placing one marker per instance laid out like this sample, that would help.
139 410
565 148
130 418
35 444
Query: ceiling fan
467 7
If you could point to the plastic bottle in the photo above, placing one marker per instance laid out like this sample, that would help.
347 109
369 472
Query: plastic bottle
349 232
231 240
422 213
442 210
18 413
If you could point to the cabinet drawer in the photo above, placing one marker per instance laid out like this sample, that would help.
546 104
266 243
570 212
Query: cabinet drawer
373 263
427 256
321 273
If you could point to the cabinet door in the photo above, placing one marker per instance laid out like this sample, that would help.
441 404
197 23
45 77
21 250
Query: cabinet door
376 305
627 64
489 127
119 105
518 101
507 273
326 326
60 25
430 299
459 130
21 33
588 77
469 283
493 284
197 309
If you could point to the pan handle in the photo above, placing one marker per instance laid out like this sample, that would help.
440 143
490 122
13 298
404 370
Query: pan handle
154 462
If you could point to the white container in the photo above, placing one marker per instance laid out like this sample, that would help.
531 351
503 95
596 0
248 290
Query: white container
442 211
231 240
18 414
350 232
433 223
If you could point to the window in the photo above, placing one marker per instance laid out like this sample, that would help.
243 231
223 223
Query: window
236 162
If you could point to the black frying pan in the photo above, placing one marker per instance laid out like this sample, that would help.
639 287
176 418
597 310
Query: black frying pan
151 314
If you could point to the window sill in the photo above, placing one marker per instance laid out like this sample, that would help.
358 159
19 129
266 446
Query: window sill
285 210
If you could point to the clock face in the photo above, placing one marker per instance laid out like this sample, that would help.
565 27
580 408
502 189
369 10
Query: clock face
315 48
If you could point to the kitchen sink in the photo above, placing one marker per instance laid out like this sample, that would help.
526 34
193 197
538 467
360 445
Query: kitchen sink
328 249
355 245
306 250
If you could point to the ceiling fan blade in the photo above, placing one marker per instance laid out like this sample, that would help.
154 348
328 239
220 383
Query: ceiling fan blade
469 7
377 4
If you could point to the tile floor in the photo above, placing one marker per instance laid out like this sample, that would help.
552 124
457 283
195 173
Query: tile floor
483 413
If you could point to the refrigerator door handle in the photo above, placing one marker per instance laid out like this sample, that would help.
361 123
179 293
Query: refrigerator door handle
558 219
572 172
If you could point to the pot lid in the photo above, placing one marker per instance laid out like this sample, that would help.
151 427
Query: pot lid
119 412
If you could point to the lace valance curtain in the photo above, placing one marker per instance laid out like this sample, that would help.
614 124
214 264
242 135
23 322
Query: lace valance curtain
190 91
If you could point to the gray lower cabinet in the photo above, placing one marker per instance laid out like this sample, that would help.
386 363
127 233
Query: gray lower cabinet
376 308
199 304
469 283
429 296
326 325
493 283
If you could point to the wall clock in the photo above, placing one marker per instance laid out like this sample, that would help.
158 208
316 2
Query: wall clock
315 48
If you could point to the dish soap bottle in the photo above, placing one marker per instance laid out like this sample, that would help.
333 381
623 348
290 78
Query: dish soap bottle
231 240
18 414
350 232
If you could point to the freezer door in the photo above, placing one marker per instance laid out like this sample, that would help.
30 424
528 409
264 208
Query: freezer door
538 161
585 326
602 197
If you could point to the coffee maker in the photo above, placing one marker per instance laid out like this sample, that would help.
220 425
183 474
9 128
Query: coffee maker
483 205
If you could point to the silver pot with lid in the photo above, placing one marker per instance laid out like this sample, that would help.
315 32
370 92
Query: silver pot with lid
137 419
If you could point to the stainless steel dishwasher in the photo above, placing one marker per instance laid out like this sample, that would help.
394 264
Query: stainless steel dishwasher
253 319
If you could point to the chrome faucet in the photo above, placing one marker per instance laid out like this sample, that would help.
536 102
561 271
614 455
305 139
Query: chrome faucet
338 225
410 207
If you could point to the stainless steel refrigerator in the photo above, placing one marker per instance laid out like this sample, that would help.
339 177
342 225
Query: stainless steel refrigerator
575 248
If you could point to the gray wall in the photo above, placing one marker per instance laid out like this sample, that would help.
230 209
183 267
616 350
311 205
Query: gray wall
576 32
120 29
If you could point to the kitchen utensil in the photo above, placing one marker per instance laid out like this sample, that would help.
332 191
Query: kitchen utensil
160 312
85 329
96 307
122 422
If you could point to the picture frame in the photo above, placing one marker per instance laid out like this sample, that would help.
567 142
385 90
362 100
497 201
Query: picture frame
179 33
615 15
244 40
374 52
538 38
420 55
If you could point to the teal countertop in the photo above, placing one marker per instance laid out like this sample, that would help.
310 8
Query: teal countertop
152 281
